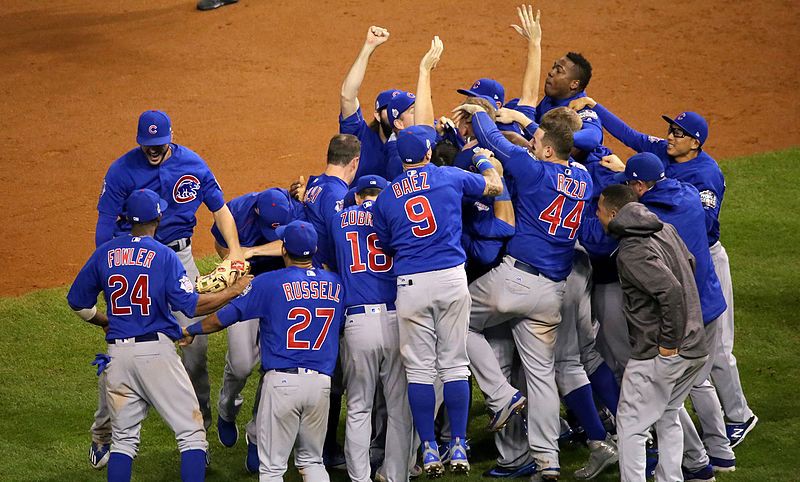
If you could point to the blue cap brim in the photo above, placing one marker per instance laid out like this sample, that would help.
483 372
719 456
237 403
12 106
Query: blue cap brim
620 178
467 92
279 231
153 141
677 123
163 205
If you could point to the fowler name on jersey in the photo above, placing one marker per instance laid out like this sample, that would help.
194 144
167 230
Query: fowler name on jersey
125 257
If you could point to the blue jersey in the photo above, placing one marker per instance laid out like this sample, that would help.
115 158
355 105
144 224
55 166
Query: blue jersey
252 229
418 217
591 236
324 198
590 135
373 155
548 202
678 203
394 164
530 113
702 172
142 281
300 315
184 181
365 269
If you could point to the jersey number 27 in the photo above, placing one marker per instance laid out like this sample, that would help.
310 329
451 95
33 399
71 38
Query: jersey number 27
304 317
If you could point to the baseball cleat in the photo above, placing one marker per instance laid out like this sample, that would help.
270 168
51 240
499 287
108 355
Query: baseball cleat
498 472
513 407
337 461
431 462
651 460
545 475
706 474
602 454
99 454
251 463
722 465
227 432
738 431
212 4
459 464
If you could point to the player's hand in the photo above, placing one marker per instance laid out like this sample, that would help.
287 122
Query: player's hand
376 36
509 116
612 162
186 340
489 154
236 254
466 110
248 253
444 124
240 284
529 26
582 103
298 189
667 352
433 55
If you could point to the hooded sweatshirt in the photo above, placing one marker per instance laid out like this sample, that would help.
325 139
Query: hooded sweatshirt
661 302
678 203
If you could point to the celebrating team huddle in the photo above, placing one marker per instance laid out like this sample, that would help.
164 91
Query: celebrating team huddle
502 244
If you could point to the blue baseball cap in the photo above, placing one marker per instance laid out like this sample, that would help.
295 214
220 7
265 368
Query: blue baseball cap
398 104
644 166
144 205
382 101
489 88
414 142
155 129
371 181
299 238
274 210
692 123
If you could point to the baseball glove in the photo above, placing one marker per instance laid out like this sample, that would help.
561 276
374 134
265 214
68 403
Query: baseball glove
224 275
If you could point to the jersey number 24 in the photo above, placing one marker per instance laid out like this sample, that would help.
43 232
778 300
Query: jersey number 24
140 295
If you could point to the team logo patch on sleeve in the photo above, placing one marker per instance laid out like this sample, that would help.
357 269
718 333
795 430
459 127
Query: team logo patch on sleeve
654 139
709 199
588 115
186 189
186 284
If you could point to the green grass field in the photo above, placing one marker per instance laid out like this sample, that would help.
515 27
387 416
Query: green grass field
48 390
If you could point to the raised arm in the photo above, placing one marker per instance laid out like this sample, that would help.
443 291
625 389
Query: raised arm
423 110
614 125
355 76
530 28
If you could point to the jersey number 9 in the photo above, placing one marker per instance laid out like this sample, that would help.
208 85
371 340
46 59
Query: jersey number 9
418 210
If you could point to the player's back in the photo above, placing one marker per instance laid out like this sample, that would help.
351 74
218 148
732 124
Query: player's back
302 318
324 198
366 271
549 205
419 217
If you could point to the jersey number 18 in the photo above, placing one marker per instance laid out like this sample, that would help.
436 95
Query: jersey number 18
377 260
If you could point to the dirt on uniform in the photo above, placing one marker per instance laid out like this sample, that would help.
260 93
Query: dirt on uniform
254 88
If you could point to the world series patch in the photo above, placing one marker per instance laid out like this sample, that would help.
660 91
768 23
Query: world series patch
709 199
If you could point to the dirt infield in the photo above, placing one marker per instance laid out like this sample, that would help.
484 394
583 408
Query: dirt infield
254 87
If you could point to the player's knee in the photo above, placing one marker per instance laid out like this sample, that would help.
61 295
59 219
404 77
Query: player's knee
240 366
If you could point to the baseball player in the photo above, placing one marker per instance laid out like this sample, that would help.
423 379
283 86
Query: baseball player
182 178
527 288
679 204
685 160
400 112
371 347
373 136
300 310
143 281
665 321
257 216
418 221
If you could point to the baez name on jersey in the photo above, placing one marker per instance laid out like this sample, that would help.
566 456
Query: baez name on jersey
311 290
415 181
125 257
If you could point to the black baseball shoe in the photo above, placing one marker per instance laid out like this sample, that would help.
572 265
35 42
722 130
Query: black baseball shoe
212 4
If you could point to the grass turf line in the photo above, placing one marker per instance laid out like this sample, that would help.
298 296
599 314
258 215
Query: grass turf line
48 390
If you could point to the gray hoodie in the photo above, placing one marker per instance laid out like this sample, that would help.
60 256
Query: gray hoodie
656 271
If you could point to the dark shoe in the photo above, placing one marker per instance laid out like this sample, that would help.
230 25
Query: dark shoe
251 462
498 472
212 4
227 432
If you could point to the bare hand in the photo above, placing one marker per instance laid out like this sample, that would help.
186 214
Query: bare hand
443 124
298 189
667 352
529 26
479 151
433 55
186 340
467 110
376 36
612 162
248 253
236 254
240 284
582 103
508 116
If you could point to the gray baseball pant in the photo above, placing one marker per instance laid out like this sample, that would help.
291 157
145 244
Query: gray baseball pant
150 374
725 373
195 359
293 412
612 338
242 356
533 305
371 357
652 392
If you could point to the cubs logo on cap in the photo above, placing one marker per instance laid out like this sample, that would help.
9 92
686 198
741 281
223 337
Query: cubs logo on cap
487 88
398 104
155 128
692 123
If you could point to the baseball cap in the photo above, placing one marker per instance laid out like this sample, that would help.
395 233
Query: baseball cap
273 209
371 181
155 129
489 88
144 205
644 166
382 101
691 122
398 104
299 238
414 142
